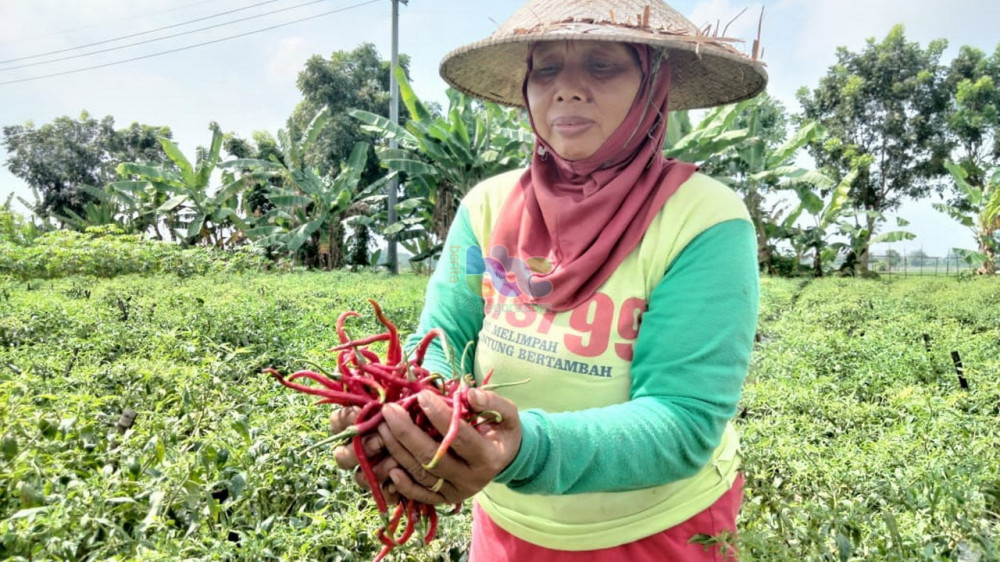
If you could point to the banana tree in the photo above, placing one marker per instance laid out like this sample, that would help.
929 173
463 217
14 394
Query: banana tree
190 209
824 214
860 239
737 144
313 209
981 215
309 210
713 136
95 213
442 157
135 203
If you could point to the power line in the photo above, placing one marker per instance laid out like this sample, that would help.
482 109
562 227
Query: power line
151 55
103 23
148 32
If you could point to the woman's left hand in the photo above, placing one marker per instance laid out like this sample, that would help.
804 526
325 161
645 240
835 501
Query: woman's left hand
475 457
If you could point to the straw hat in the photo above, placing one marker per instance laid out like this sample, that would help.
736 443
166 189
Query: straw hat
706 70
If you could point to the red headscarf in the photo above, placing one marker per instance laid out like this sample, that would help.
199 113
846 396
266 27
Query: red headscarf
584 217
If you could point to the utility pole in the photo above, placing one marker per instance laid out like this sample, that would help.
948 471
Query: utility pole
391 259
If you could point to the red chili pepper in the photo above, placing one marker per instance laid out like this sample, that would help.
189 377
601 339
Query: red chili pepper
459 407
365 380
321 379
363 341
395 352
425 342
330 396
369 473
432 522
340 325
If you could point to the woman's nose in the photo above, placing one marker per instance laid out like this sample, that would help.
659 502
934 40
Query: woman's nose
570 85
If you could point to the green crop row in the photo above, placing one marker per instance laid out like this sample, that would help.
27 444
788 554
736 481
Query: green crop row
860 442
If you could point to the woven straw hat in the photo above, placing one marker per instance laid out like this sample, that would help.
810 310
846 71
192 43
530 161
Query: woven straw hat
706 70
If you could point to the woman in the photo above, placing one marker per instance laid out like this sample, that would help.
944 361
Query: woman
620 447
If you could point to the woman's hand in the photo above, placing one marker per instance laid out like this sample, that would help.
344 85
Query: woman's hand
344 455
475 457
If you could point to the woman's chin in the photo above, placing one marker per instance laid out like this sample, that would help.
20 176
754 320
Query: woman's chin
573 152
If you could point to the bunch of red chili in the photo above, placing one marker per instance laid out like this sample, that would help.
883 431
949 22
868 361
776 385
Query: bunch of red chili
364 380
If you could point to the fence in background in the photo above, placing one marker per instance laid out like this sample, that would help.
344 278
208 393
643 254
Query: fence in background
919 266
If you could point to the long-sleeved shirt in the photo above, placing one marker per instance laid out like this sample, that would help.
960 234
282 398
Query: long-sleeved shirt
626 418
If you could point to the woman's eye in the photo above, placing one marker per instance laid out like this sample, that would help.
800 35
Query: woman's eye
603 67
544 71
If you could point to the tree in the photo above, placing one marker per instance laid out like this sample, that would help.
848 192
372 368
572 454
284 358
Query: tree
444 156
893 258
824 214
263 147
886 110
58 159
746 146
358 79
192 209
974 82
980 212
307 209
917 258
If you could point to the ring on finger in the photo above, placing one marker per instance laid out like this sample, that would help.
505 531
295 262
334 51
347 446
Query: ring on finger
437 485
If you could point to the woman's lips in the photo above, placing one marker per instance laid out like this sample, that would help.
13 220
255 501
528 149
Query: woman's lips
571 125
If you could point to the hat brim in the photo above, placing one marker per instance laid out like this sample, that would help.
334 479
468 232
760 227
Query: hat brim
704 72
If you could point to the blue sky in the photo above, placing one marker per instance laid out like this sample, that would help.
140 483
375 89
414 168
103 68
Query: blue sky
248 83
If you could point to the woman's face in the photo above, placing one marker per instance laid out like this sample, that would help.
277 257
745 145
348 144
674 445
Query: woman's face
579 92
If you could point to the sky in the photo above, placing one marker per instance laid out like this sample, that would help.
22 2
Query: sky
243 75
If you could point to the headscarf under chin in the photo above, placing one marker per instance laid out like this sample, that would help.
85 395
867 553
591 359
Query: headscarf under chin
584 217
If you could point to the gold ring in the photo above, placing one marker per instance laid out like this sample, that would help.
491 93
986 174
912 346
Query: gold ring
437 485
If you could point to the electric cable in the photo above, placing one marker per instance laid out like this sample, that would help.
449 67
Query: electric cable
151 55
155 39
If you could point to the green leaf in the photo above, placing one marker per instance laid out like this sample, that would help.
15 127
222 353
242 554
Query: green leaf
207 165
300 235
893 236
289 200
149 173
179 160
316 125
407 165
172 204
194 228
350 175
413 104
384 126
805 134
30 512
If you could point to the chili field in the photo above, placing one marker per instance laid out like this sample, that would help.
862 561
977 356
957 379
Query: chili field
136 423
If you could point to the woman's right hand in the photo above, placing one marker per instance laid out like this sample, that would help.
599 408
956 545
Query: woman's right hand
382 463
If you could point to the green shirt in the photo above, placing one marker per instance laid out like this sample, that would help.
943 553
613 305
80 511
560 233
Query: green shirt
626 420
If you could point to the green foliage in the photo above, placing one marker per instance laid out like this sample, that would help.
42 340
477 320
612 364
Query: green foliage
442 157
308 211
886 111
979 210
357 79
746 146
14 229
59 159
106 252
194 212
213 465
860 442
974 79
